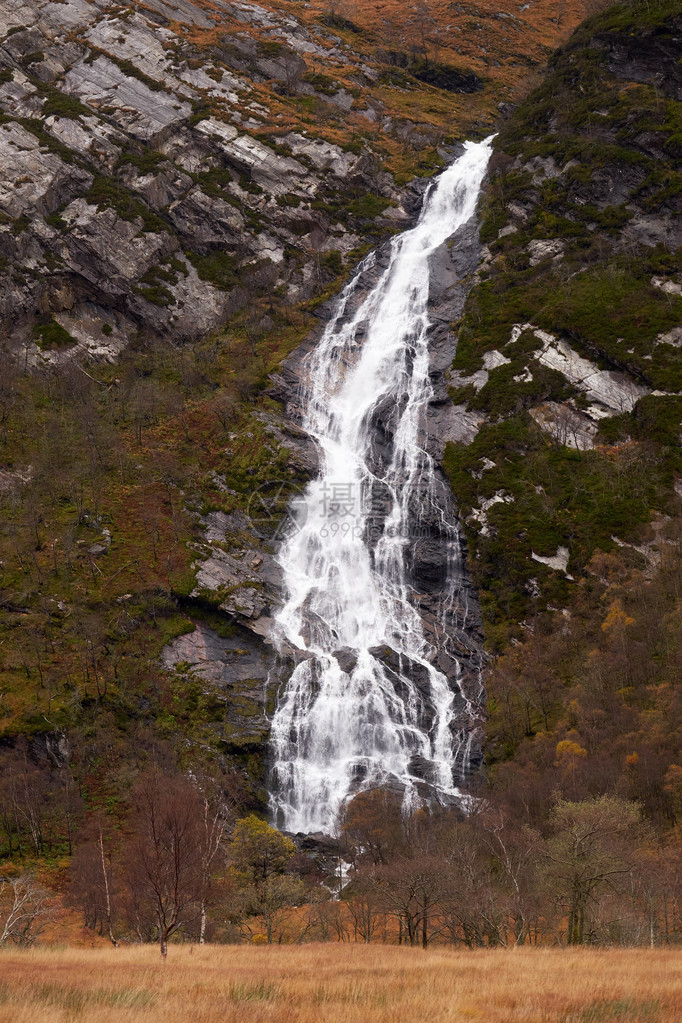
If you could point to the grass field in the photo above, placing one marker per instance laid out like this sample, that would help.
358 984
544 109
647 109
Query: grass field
340 984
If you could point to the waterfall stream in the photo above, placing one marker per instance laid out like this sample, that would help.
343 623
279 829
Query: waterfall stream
365 704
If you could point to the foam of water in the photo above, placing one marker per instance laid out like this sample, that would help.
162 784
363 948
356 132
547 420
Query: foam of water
351 717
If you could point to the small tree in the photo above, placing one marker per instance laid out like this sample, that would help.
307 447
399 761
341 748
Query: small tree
223 408
291 69
257 850
514 852
592 850
269 899
470 902
260 854
373 825
24 799
163 862
93 887
216 816
364 910
9 395
410 889
422 23
24 910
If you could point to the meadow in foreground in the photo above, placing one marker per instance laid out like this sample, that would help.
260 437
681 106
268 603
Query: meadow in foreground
340 984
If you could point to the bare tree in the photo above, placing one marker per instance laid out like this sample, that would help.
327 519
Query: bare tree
216 817
223 408
291 68
515 850
23 798
92 872
329 917
365 913
373 826
9 392
422 23
470 899
24 909
163 863
144 402
270 899
411 889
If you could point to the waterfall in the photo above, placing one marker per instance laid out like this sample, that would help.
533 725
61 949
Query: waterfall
365 704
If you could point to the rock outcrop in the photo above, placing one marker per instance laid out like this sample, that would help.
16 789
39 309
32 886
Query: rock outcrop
139 186
202 142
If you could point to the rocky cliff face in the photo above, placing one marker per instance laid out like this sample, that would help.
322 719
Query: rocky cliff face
167 162
142 191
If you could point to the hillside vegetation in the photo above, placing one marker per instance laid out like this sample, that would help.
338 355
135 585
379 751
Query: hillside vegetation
130 464
143 312
125 423
569 350
568 366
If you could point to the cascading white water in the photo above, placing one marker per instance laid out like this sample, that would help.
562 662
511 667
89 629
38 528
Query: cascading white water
365 704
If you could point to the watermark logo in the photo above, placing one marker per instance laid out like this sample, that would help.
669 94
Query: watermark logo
336 509
277 508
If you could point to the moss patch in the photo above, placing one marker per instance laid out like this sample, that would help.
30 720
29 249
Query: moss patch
52 335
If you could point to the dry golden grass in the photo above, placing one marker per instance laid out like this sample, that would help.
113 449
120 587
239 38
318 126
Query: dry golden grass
340 984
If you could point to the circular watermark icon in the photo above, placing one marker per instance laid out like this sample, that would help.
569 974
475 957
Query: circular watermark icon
277 508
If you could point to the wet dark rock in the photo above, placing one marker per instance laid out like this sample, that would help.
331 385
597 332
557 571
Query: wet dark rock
321 844
650 58
346 659
450 614
235 670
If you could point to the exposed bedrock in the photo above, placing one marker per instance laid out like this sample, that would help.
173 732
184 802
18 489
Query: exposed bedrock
237 569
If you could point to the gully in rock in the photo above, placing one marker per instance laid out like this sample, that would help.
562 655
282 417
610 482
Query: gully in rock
365 704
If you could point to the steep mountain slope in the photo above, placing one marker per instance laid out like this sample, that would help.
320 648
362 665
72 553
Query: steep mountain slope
170 167
567 462
143 179
188 181
568 368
